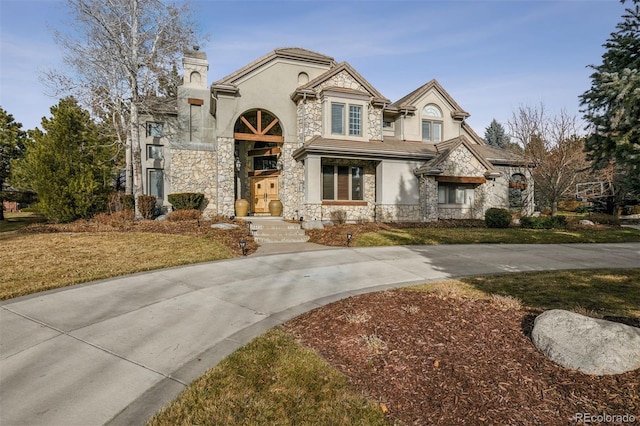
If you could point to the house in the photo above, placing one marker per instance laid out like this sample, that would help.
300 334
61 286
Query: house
296 126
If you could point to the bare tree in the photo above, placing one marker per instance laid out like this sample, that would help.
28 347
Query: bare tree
553 145
119 53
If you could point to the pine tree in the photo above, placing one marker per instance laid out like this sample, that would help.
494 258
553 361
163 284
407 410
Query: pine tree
495 135
612 104
12 139
68 164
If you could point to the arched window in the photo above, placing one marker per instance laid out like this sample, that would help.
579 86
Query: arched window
431 123
517 185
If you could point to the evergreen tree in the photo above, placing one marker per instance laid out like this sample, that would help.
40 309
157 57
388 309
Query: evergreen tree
612 104
68 164
495 135
12 139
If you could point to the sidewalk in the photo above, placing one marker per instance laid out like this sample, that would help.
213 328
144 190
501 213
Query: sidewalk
115 351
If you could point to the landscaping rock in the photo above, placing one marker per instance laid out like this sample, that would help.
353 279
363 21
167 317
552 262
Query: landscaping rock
589 345
312 224
224 226
327 223
586 222
161 217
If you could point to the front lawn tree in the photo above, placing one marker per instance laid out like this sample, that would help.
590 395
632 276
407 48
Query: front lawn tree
68 164
612 104
120 53
553 145
12 139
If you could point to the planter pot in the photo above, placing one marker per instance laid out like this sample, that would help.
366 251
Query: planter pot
275 207
242 207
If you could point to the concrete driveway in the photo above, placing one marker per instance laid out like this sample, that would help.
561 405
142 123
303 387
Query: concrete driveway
115 351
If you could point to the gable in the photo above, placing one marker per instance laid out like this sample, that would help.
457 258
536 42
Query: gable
458 158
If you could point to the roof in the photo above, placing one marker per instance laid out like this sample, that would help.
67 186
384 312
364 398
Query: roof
410 99
344 66
445 148
389 148
295 53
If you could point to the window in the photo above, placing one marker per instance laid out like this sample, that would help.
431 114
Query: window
269 162
156 183
154 130
342 183
355 120
431 123
387 124
454 194
338 119
155 152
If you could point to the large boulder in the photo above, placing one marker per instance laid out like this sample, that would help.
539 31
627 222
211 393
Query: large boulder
312 224
589 345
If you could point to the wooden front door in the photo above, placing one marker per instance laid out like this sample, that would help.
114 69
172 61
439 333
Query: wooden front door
263 190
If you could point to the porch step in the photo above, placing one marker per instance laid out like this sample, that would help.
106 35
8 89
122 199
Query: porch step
277 231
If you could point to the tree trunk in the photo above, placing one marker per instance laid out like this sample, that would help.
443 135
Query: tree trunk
128 167
1 209
554 207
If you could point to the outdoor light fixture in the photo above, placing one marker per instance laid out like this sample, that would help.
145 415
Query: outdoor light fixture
243 245
301 218
349 236
249 231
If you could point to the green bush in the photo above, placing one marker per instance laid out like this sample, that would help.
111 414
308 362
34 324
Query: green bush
497 218
146 206
186 200
543 222
604 219
128 202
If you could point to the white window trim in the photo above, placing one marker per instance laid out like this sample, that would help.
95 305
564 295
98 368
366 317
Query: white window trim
432 119
448 187
364 118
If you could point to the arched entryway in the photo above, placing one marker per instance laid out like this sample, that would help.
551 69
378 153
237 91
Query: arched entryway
258 138
517 188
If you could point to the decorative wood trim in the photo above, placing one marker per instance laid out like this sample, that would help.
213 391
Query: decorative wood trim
518 185
461 179
264 173
258 138
344 203
245 121
264 151
195 101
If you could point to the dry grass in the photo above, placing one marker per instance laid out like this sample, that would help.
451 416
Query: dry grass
37 262
271 381
359 317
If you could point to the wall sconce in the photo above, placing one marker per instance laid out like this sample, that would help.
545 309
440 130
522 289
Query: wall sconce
349 236
301 219
238 164
243 246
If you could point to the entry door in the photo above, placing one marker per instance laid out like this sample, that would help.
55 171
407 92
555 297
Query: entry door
263 190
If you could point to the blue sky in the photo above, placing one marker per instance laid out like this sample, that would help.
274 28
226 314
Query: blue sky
491 56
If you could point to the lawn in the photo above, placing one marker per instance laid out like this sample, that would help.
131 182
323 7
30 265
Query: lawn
19 220
278 380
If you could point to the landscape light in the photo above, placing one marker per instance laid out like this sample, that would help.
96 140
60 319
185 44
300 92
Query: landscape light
349 236
243 245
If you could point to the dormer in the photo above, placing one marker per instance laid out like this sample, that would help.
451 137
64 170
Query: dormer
350 108
427 114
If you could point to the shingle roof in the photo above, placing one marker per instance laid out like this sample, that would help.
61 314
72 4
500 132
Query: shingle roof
389 148
412 97
446 147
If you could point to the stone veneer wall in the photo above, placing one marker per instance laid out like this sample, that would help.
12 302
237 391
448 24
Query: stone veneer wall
429 198
398 213
226 176
195 171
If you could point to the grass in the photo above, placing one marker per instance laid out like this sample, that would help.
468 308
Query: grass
19 220
274 381
37 262
433 236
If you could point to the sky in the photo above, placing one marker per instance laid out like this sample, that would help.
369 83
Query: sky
491 56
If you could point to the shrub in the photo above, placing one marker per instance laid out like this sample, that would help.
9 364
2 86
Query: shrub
180 215
497 218
119 201
146 206
186 200
339 216
543 222
604 219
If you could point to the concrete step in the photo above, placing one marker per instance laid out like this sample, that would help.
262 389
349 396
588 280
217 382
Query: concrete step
277 231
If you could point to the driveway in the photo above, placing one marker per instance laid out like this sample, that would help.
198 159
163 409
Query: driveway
117 350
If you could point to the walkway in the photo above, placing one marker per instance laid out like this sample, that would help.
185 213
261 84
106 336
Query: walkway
115 351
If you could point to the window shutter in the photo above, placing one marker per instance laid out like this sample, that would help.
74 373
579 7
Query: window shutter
343 183
327 183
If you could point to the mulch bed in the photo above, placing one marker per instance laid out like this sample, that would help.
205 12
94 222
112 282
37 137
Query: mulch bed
432 359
